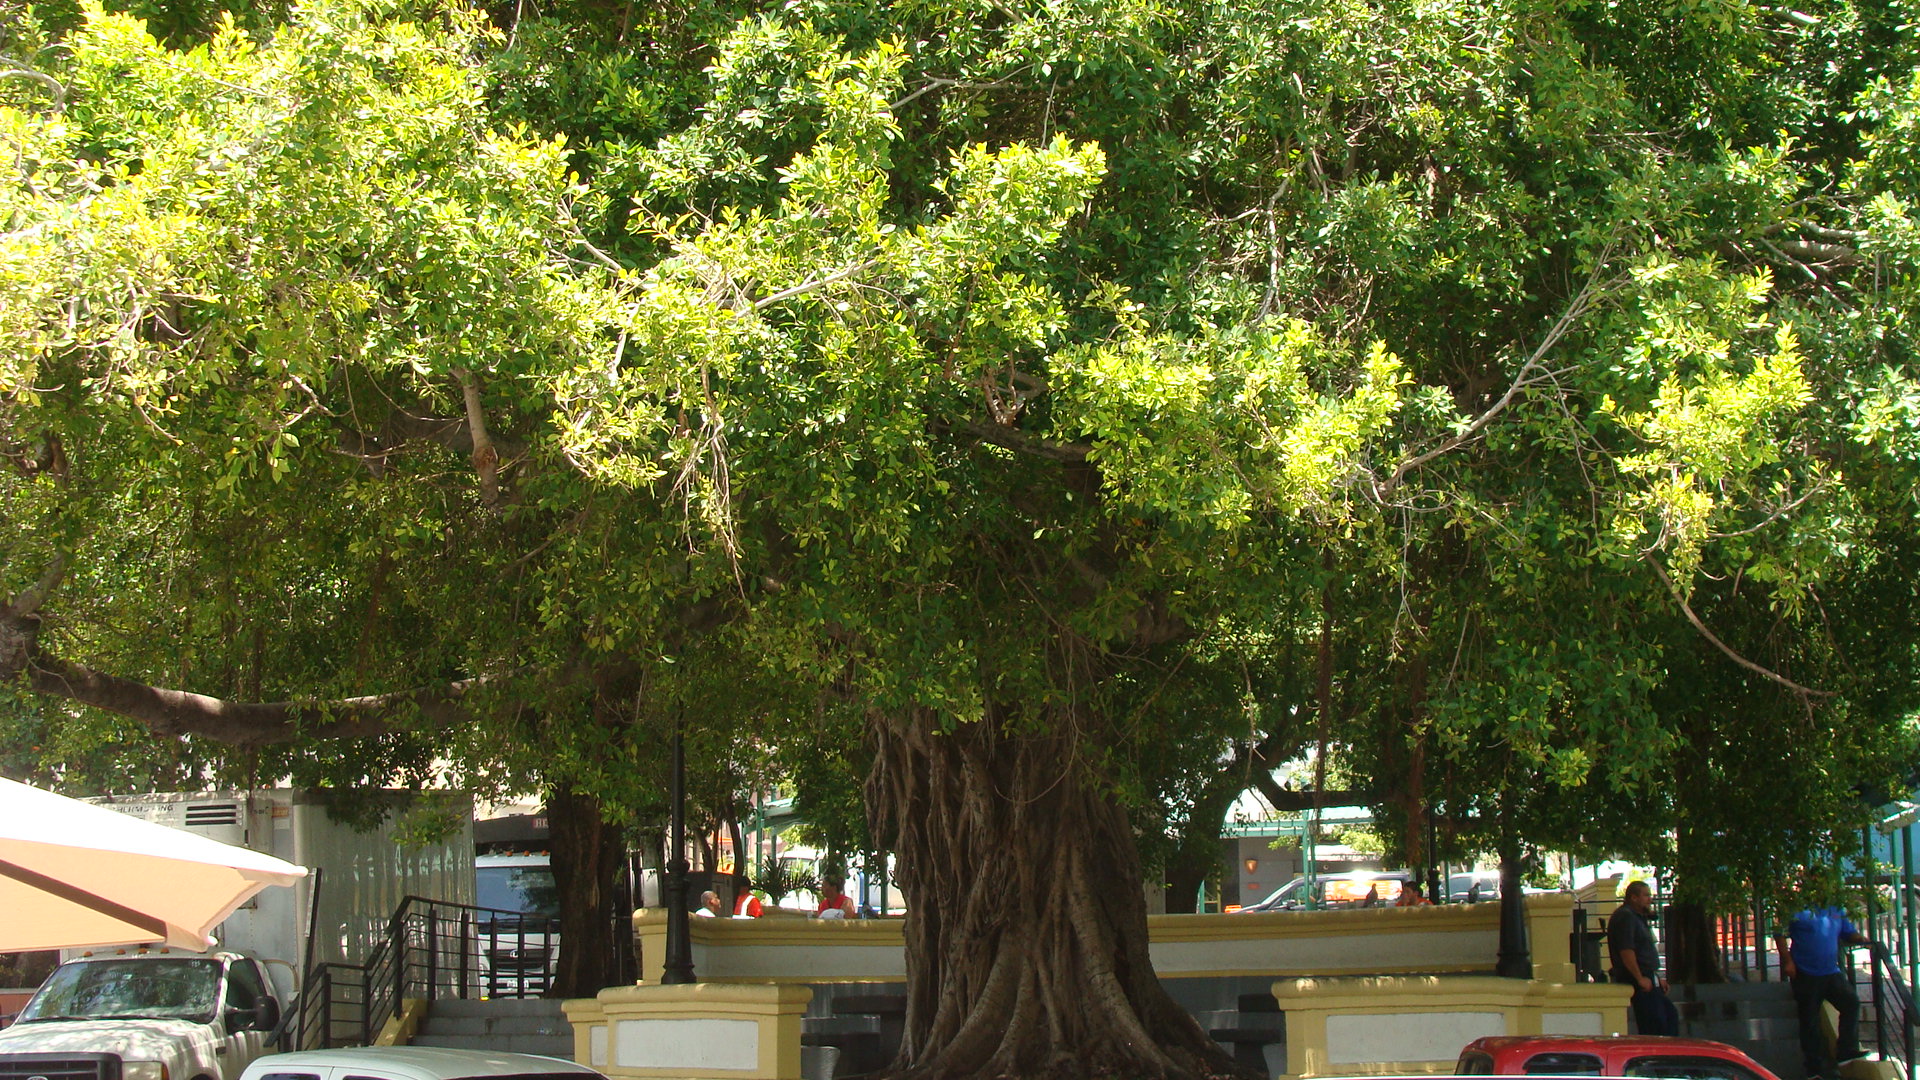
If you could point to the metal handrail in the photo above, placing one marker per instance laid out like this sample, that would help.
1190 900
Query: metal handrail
432 949
1892 1006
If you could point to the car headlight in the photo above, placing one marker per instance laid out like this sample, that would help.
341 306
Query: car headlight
143 1070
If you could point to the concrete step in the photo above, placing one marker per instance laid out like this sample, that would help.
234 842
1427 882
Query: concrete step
519 1026
549 1045
1754 1009
1758 1030
496 1025
496 1007
877 1004
1761 995
858 1024
1271 1025
1758 1017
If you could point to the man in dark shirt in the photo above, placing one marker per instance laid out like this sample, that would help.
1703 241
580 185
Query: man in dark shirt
1636 962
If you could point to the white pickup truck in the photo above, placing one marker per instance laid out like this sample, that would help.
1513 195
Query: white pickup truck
145 1015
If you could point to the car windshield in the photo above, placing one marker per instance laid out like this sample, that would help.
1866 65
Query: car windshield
1282 894
185 988
528 889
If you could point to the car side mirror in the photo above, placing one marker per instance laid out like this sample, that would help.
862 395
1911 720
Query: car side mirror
262 1017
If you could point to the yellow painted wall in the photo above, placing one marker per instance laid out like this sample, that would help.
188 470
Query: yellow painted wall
1450 938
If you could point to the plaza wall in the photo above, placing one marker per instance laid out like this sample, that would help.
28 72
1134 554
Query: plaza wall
1363 991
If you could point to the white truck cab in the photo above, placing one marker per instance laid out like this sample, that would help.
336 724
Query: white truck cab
145 1014
519 928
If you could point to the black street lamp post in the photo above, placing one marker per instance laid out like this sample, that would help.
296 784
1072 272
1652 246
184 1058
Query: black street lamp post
1515 960
678 963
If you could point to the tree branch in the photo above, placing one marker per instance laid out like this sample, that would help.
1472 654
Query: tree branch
1820 254
1531 373
1281 799
1014 439
818 283
30 598
59 92
45 458
401 428
1764 673
486 460
251 724
941 83
243 724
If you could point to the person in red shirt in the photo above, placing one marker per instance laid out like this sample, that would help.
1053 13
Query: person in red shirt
1411 895
834 904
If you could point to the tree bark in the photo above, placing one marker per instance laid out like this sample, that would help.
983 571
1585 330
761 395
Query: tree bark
1693 953
586 857
1192 862
1027 936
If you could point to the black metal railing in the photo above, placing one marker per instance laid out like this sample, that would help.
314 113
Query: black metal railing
1893 1013
432 950
1745 942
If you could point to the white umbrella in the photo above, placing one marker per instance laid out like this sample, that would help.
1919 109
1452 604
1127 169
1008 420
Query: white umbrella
74 875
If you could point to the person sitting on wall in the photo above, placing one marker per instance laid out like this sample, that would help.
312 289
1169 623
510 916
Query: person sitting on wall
1411 895
747 904
709 905
834 904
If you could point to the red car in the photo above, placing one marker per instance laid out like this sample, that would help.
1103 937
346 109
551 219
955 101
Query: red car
1616 1055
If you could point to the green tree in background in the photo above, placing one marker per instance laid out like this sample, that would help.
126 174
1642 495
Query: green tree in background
1061 401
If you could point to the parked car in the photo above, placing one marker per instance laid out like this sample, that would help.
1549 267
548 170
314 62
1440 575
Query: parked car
413 1063
1333 890
1613 1055
1285 897
1475 885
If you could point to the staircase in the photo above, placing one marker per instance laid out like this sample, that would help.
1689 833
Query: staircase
851 1029
1757 1017
520 1026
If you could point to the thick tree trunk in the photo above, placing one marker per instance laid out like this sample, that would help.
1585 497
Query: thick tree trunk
1027 930
1187 870
1693 952
586 857
1197 857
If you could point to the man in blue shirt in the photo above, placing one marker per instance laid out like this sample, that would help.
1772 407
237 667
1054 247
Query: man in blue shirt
1810 957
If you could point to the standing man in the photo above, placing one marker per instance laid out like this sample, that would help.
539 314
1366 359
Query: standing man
1810 957
1636 962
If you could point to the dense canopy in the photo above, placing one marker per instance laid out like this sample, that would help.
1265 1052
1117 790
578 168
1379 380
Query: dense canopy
1046 408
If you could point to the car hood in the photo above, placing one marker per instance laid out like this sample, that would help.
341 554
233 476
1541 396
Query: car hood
134 1040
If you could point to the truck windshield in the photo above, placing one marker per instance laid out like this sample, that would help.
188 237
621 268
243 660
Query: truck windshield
184 988
528 889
